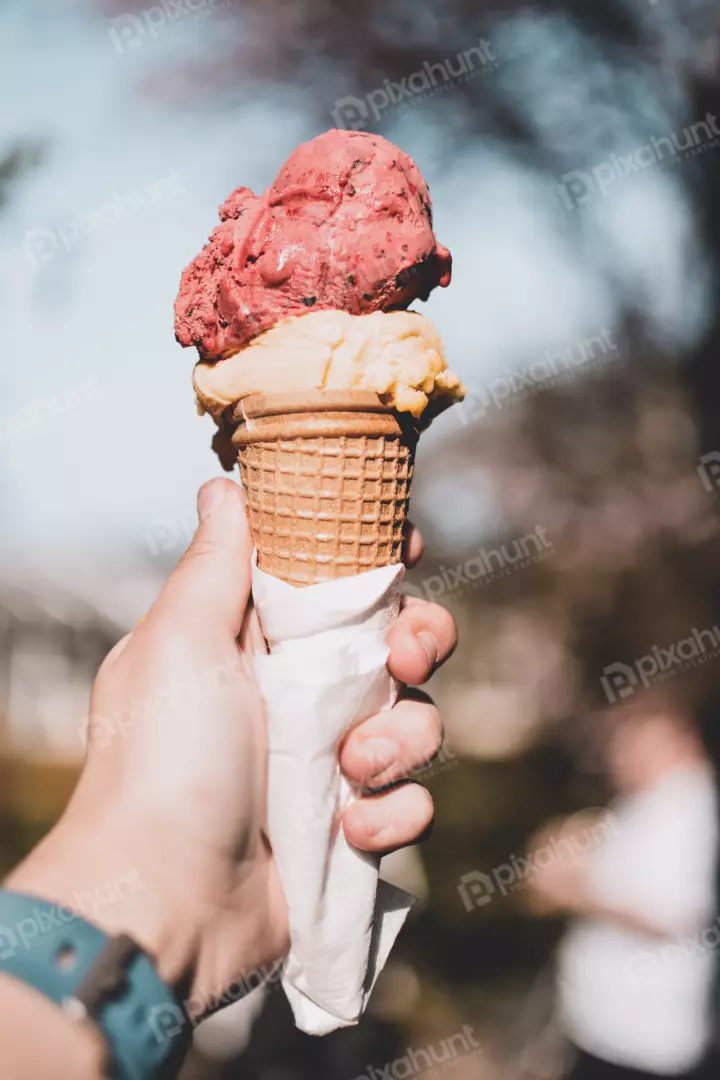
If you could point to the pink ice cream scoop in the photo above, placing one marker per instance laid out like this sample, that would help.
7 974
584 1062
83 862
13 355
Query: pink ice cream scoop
346 225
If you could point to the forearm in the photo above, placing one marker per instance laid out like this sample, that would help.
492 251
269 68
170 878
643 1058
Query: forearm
67 1047
585 902
84 865
626 918
575 894
74 870
40 1043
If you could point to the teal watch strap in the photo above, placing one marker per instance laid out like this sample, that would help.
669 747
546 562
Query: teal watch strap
89 974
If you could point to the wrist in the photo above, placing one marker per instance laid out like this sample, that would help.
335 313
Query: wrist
65 1049
94 872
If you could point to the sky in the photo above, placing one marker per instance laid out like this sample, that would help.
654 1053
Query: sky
100 448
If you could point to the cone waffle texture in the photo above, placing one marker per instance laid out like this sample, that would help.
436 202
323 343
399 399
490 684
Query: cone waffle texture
327 476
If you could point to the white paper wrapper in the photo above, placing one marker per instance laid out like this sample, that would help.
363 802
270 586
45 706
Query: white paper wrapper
326 671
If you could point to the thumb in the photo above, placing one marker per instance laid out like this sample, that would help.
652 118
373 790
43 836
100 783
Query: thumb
211 584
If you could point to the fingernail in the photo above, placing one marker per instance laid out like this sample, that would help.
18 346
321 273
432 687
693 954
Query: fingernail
209 498
380 754
430 645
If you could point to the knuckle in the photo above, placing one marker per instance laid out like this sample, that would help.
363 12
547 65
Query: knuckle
438 733
201 547
425 615
447 626
424 731
424 813
432 732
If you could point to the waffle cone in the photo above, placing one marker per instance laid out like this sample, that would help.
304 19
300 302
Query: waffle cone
327 476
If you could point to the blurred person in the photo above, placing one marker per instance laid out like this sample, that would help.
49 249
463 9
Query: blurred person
169 811
635 969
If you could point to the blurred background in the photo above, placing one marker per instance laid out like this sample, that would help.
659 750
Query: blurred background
571 506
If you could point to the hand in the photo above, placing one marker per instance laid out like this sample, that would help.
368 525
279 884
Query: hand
163 838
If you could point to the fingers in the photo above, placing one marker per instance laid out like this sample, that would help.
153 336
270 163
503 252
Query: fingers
393 744
413 546
380 751
116 652
424 637
211 584
383 823
252 640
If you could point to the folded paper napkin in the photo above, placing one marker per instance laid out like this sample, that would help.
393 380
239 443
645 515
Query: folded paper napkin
325 672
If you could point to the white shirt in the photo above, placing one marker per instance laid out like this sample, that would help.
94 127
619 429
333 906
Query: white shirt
628 998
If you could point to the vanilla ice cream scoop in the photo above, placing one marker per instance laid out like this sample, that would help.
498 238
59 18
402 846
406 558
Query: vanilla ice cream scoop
397 354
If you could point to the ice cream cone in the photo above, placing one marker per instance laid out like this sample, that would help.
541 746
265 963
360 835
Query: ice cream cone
327 476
